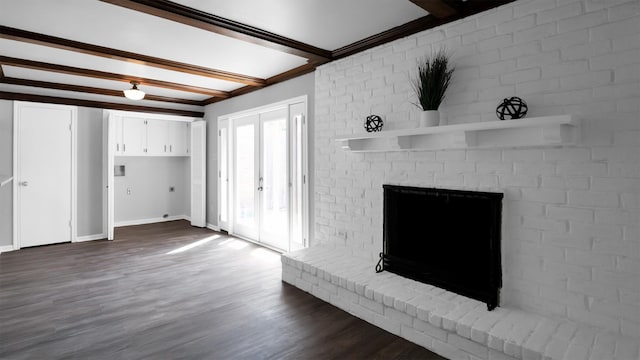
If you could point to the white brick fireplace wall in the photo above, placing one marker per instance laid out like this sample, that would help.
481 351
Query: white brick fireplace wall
570 242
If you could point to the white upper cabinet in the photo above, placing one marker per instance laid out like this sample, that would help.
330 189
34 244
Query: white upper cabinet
157 135
134 136
178 138
150 137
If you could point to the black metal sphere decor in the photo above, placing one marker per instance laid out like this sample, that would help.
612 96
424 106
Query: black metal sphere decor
512 108
373 123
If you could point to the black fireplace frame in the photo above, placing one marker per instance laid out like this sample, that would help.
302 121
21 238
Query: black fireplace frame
407 268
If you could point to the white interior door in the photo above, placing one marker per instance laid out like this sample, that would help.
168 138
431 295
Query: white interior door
45 174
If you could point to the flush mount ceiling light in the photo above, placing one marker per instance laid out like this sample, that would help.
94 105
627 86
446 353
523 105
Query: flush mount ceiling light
134 93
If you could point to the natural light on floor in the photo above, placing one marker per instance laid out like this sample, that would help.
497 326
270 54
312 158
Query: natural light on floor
193 244
234 244
265 254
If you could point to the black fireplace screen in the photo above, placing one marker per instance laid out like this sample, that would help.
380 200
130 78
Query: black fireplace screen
447 238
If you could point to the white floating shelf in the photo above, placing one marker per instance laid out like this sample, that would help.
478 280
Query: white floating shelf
5 179
531 132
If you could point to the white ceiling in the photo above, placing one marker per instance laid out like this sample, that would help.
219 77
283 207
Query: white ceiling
325 24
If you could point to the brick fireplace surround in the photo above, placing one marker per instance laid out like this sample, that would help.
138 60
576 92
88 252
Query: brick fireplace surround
570 238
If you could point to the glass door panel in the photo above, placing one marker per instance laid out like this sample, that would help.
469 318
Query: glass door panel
246 166
274 185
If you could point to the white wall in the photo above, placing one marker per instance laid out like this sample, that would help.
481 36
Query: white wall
6 168
89 171
90 165
302 85
570 241
149 179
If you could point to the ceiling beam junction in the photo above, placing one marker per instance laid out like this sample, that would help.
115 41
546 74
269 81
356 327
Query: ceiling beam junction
84 48
222 26
70 70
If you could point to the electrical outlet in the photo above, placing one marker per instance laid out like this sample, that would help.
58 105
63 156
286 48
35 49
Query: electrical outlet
172 189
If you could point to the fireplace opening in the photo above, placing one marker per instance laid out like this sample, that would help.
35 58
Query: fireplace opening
446 238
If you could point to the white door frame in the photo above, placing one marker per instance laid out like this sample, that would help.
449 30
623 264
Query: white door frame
108 116
227 120
17 106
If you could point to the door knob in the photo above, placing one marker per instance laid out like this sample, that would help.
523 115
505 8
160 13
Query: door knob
23 183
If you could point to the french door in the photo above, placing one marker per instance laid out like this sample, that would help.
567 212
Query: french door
261 176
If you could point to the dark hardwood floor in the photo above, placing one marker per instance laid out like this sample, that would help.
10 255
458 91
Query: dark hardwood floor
131 299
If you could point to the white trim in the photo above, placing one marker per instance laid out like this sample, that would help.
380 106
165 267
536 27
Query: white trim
151 221
213 227
151 116
270 107
74 174
261 244
6 248
91 237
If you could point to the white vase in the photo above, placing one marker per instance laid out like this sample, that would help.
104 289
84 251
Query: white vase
429 118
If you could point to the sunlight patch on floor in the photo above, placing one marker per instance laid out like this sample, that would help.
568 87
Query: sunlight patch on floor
264 254
193 244
234 244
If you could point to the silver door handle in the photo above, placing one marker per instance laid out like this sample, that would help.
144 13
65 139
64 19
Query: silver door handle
23 183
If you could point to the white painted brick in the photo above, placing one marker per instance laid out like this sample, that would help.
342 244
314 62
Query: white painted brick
576 183
594 199
468 346
448 351
530 7
614 30
520 76
569 213
549 196
430 330
534 168
565 40
591 318
588 258
582 22
416 337
571 10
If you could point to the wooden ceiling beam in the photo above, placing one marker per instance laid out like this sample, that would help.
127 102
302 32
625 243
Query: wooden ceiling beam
300 70
6 95
84 48
92 90
70 70
438 8
219 25
468 8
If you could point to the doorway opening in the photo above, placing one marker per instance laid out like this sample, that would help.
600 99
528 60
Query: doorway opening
262 177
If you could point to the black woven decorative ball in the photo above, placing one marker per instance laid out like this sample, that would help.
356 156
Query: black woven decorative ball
373 123
512 108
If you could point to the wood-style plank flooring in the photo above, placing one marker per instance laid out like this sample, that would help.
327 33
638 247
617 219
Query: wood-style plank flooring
130 299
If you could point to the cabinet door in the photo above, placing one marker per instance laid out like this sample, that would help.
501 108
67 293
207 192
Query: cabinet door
134 136
178 138
117 132
157 137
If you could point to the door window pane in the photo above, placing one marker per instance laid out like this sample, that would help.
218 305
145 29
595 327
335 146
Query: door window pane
244 179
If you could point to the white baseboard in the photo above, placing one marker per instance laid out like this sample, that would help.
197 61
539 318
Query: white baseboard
91 237
213 227
6 248
151 221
